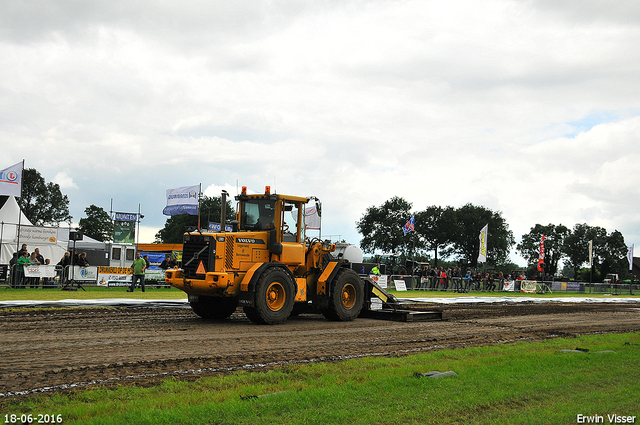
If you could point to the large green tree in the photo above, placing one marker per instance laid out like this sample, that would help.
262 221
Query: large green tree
43 203
609 251
97 224
435 227
554 246
175 226
466 242
576 244
381 227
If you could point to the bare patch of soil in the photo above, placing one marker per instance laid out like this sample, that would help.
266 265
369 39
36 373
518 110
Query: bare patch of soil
50 349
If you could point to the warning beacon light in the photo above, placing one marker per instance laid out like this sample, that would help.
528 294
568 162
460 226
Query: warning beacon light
267 190
244 190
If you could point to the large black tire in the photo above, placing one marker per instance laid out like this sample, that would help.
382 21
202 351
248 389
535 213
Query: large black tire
216 308
347 297
275 295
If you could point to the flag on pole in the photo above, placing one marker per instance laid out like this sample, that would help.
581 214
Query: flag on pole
541 256
482 256
590 254
410 225
11 180
630 257
182 200
311 218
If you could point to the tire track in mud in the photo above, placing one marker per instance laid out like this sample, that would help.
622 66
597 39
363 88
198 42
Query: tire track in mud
53 349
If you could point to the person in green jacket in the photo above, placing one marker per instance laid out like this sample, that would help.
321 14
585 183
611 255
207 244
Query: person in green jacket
138 266
22 261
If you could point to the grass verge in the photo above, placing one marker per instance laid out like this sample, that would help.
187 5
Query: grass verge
93 292
519 383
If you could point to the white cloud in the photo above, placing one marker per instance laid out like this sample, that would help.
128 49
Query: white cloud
64 181
530 108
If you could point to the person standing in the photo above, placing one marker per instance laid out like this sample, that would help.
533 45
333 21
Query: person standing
22 261
63 267
13 269
139 265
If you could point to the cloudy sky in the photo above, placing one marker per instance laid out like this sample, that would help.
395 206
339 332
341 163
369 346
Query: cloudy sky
531 108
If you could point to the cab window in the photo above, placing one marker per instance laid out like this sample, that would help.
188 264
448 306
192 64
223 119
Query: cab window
257 214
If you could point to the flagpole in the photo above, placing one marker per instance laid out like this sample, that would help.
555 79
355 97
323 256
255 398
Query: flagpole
20 210
199 200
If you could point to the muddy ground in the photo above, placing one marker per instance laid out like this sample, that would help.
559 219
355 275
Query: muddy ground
50 350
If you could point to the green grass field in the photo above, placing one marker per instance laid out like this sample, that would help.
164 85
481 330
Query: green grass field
520 383
93 292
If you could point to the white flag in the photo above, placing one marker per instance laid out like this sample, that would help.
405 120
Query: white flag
482 256
590 253
311 218
182 200
630 257
11 180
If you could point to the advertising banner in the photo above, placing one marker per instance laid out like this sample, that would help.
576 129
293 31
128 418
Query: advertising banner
482 255
528 286
215 227
509 285
124 231
40 271
182 200
37 235
83 274
115 276
381 280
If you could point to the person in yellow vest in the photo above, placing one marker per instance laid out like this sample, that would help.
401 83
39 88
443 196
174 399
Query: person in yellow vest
139 265
375 270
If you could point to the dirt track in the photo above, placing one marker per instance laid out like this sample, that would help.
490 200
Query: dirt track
57 348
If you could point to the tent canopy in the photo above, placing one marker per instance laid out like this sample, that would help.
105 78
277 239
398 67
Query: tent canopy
12 219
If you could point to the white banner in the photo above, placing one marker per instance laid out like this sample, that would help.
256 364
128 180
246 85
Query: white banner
37 235
509 285
311 218
630 257
400 285
84 274
182 200
381 280
11 180
482 256
40 271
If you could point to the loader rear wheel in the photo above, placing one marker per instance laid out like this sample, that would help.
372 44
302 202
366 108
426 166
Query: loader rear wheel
347 297
216 308
274 298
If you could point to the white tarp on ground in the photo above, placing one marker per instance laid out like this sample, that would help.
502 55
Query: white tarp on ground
44 238
183 303
107 302
515 300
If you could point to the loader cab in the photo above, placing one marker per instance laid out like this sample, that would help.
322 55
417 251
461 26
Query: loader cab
281 216
257 214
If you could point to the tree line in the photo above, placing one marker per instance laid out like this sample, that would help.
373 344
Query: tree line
453 233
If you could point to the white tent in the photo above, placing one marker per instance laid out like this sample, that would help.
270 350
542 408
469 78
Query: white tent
13 219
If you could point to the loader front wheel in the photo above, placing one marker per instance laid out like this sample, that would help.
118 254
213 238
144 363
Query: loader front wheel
274 298
216 308
347 297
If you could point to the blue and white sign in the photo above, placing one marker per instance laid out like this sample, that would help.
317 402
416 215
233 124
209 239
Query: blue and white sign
120 216
215 227
182 200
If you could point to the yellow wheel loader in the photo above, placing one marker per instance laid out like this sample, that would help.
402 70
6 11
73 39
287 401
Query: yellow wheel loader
267 266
